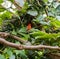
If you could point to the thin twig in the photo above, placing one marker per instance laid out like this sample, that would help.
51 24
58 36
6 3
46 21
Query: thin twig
6 35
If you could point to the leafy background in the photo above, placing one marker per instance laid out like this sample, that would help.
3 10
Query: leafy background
44 16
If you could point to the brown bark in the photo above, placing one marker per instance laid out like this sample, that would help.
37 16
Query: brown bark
5 35
19 46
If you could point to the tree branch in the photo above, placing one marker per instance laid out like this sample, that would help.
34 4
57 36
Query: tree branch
17 5
5 35
4 42
20 47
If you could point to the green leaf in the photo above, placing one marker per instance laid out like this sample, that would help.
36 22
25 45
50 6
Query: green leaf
24 8
14 32
38 33
32 12
45 0
1 21
8 52
22 54
2 56
22 30
5 15
17 52
1 1
12 57
56 4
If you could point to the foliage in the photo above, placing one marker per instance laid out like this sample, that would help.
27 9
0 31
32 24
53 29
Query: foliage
44 16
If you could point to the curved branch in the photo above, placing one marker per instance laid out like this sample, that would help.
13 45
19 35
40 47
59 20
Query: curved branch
18 46
19 39
4 42
5 35
42 47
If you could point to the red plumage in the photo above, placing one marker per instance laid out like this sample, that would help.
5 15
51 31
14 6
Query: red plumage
29 26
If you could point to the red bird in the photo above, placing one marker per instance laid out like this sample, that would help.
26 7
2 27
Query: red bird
29 26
